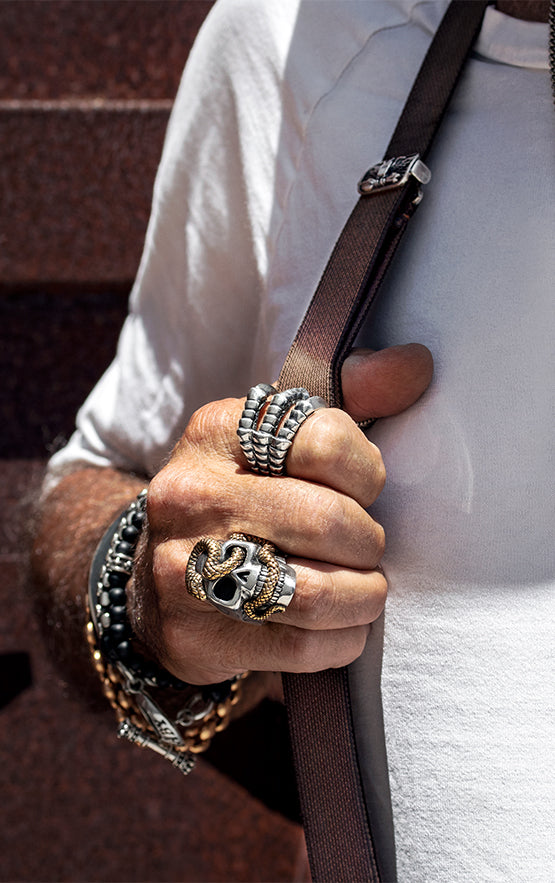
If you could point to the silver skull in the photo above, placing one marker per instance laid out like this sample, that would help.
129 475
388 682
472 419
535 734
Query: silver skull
230 592
246 581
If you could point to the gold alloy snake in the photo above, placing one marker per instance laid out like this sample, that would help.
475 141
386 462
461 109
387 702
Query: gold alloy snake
214 569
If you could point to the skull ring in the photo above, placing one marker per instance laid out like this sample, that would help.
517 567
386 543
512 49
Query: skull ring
243 577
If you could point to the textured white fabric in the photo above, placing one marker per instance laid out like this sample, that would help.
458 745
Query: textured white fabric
282 107
469 507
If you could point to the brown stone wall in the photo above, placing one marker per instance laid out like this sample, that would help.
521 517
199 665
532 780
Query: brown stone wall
56 49
86 87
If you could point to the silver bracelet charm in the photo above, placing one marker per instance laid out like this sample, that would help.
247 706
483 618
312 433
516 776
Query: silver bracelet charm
127 677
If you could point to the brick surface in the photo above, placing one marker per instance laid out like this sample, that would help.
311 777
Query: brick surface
62 49
75 191
85 94
53 348
85 91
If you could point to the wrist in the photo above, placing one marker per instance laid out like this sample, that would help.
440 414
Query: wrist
128 677
142 607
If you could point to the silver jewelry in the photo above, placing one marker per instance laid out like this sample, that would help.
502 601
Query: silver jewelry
266 442
244 577
256 398
127 677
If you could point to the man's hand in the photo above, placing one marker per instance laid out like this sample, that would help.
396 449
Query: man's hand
316 515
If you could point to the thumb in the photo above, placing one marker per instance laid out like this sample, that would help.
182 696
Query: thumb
385 382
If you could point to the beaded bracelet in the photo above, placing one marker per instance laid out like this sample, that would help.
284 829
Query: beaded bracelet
125 673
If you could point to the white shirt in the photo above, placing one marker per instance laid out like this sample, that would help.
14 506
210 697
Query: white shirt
281 108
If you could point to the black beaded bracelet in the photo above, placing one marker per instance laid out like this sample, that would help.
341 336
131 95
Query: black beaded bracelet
126 674
110 572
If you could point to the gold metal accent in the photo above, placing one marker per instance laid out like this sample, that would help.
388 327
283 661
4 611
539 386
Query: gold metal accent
196 738
214 569
267 555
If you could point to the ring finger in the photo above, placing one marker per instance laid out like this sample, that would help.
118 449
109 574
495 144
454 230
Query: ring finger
330 597
326 596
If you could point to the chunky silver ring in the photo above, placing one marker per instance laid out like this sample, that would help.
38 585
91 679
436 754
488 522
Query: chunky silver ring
265 442
244 577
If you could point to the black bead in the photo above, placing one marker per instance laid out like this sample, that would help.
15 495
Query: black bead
118 631
116 578
130 534
124 651
118 613
137 519
124 548
118 596
106 644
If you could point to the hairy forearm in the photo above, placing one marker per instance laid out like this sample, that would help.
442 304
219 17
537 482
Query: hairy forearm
69 525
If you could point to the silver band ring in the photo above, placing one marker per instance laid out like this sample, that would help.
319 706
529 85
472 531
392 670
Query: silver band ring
244 577
266 446
256 398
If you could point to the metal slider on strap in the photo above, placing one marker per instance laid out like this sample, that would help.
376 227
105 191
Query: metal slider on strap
392 173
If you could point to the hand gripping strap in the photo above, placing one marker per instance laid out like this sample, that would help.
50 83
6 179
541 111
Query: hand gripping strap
339 818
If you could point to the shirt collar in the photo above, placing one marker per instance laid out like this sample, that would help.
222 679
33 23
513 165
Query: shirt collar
510 40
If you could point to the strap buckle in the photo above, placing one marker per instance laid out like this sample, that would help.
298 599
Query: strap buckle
394 172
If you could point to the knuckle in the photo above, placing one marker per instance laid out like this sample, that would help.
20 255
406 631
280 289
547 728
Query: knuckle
174 492
330 431
311 651
159 500
333 449
163 572
370 543
329 511
212 424
185 494
202 422
316 601
372 475
318 510
381 590
200 495
366 545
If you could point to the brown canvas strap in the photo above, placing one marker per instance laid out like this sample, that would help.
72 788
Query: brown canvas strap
339 823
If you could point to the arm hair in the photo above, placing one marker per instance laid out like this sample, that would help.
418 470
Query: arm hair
68 526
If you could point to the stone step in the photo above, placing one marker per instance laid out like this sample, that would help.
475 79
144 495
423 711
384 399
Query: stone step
76 184
85 93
